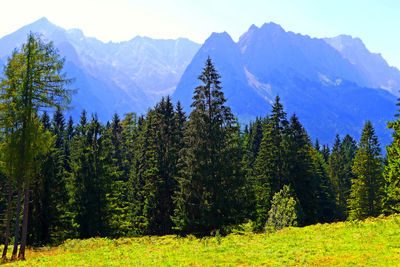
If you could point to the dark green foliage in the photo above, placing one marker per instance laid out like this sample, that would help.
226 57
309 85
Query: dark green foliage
252 138
298 166
367 189
210 178
3 203
269 174
392 169
49 223
340 172
153 179
317 146
324 196
163 173
326 152
93 173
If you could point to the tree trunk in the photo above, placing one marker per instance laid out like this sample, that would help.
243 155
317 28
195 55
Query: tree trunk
8 219
15 250
24 235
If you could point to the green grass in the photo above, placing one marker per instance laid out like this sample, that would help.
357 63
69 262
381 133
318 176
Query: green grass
374 242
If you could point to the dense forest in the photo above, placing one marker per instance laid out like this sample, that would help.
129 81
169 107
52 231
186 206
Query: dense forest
167 172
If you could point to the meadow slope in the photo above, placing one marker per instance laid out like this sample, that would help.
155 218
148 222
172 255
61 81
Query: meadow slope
374 242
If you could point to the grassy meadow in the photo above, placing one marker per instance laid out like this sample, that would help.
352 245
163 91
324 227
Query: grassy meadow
374 242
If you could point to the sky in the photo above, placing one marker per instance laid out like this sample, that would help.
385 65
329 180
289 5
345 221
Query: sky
376 22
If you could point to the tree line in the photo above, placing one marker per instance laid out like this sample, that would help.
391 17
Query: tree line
168 172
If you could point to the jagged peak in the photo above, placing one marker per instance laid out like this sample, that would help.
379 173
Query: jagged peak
271 26
344 40
220 35
253 27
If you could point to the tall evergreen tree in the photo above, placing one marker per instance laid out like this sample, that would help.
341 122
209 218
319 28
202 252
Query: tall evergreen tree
367 189
210 180
392 169
93 176
49 222
157 161
269 174
298 165
324 195
340 164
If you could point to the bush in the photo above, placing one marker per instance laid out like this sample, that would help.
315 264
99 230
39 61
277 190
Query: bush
285 210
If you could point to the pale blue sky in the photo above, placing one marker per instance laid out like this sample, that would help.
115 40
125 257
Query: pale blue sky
376 22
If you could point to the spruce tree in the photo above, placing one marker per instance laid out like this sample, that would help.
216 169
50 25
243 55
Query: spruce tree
210 179
392 169
49 223
340 164
324 195
92 179
269 175
298 166
156 166
367 189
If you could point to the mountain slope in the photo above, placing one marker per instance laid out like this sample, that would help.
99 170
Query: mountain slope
372 66
327 92
112 77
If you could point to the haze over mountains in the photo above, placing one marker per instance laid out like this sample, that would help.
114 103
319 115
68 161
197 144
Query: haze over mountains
332 84
112 77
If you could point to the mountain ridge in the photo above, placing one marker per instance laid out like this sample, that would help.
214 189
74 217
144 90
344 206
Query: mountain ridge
122 76
313 79
334 80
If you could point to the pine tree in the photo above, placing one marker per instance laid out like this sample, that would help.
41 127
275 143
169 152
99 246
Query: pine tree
49 222
326 152
251 139
298 165
324 195
269 174
392 169
340 164
367 189
93 176
155 176
210 180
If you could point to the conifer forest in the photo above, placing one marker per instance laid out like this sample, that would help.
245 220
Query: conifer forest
171 171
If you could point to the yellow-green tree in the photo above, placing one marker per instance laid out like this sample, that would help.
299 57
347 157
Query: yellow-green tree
33 81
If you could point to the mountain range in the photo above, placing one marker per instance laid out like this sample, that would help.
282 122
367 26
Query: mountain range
330 88
112 77
332 84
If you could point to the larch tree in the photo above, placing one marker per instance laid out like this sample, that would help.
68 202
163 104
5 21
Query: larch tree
39 84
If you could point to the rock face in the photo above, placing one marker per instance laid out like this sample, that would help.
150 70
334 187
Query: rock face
329 92
375 70
112 77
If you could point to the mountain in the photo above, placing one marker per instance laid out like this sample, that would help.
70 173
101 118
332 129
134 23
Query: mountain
329 93
112 77
373 67
332 84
